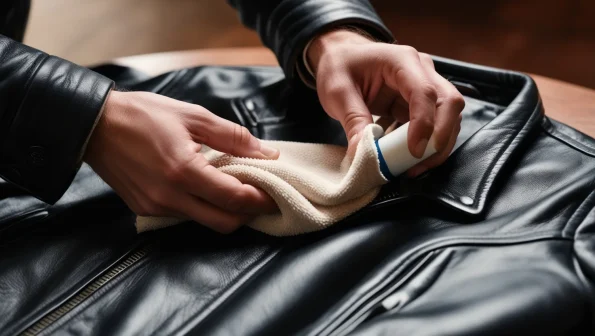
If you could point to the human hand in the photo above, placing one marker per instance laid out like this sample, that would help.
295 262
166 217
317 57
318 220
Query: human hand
357 77
146 147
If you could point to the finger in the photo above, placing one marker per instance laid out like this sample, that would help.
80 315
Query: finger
449 106
407 76
229 137
165 201
198 210
342 101
437 158
201 179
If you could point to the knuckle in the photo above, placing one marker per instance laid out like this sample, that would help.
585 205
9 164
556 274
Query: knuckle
424 121
174 173
425 58
457 102
203 116
178 169
428 91
335 88
236 200
241 136
409 50
352 119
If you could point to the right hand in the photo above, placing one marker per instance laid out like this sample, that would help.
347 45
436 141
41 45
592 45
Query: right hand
146 147
357 77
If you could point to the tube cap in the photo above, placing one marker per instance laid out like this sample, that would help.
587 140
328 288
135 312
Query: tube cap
394 155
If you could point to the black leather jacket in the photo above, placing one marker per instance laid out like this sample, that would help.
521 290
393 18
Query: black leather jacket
499 240
49 106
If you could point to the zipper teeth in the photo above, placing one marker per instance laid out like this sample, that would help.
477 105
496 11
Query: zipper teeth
93 287
133 258
385 197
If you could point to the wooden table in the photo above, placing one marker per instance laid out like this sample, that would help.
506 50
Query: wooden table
568 103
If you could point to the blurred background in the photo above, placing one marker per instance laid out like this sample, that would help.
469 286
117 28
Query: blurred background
555 38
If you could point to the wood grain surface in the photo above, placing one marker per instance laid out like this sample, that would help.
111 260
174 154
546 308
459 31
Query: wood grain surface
554 38
571 104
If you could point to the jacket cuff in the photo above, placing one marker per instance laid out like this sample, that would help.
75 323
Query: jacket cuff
48 136
315 18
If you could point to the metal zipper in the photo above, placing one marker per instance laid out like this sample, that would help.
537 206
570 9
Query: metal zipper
386 197
55 315
134 257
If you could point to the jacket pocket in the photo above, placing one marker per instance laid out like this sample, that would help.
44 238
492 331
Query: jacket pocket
392 292
405 278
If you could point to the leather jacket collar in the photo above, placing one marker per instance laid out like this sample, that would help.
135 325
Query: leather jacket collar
465 184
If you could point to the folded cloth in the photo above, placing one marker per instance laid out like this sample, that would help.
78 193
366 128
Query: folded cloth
313 185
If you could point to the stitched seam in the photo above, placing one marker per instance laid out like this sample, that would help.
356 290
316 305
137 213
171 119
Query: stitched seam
588 203
568 140
578 261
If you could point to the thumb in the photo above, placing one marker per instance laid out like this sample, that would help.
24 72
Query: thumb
346 105
231 138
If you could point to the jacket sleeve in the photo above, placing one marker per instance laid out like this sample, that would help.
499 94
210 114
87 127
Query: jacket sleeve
286 26
48 109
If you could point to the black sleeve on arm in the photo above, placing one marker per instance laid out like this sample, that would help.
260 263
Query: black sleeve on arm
286 26
48 109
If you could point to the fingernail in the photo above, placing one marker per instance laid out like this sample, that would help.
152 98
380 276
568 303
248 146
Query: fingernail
269 152
420 149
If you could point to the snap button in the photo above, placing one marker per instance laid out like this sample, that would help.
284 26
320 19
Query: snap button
250 105
37 156
466 200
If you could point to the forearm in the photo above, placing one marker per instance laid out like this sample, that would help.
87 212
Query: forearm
286 26
48 108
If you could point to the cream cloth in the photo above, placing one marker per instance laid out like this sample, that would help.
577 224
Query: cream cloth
314 185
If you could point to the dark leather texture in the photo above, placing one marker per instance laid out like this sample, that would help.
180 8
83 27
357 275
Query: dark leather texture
49 106
14 16
499 240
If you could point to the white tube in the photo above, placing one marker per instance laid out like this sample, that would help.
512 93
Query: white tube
394 152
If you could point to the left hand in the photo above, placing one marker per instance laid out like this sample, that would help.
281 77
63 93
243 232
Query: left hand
357 77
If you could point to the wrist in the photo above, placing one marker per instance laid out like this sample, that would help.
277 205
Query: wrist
94 142
328 41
